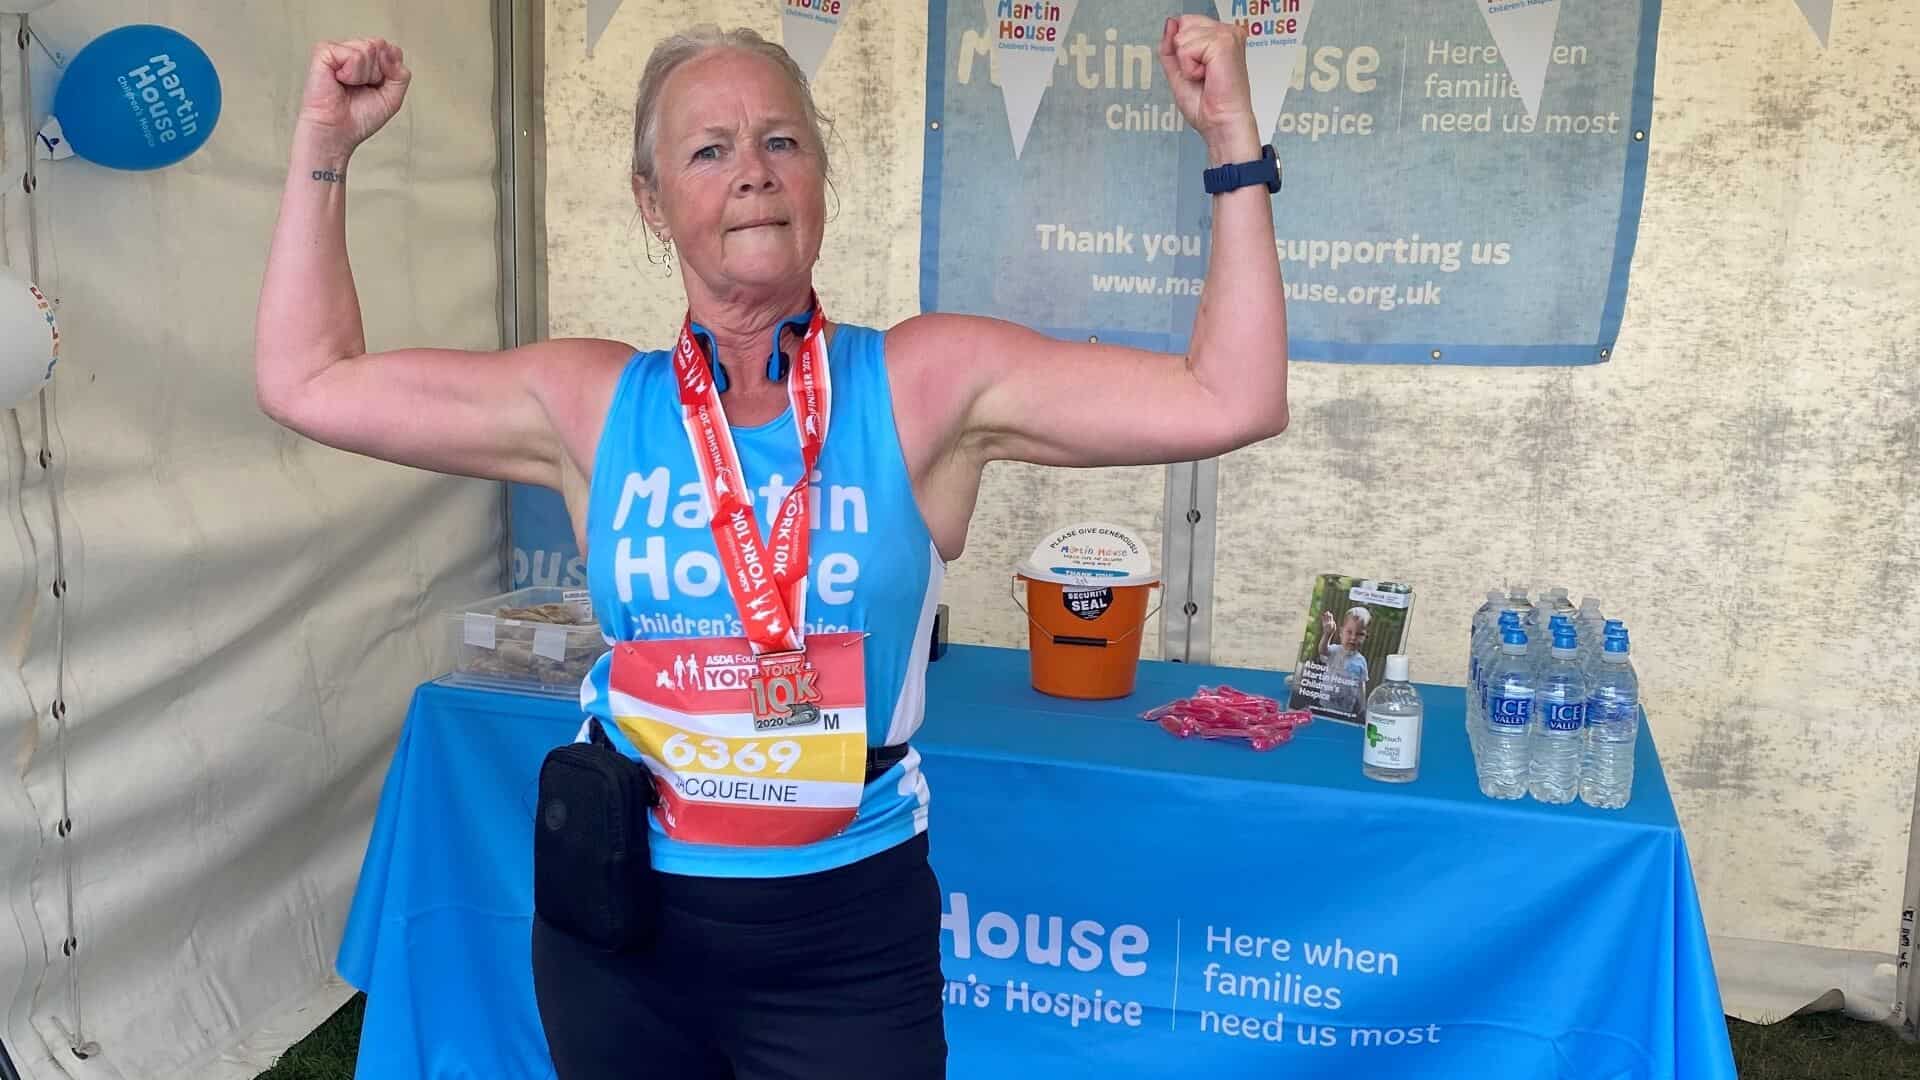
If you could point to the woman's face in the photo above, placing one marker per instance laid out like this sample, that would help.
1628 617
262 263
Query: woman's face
739 177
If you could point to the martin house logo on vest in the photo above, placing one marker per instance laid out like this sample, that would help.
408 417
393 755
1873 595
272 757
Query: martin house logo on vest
669 507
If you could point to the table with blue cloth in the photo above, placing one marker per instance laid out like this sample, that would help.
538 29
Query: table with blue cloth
1121 902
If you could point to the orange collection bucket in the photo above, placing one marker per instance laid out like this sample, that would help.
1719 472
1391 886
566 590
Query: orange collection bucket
1086 600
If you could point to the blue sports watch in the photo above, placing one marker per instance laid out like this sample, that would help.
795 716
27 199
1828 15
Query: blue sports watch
1245 174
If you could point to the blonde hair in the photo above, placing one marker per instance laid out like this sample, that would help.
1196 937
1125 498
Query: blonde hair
687 45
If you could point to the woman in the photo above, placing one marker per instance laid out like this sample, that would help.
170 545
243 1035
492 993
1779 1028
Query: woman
775 487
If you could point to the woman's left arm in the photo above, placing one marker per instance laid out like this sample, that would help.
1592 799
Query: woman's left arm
1011 393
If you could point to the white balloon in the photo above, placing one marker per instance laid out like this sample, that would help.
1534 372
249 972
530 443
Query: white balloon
22 7
29 341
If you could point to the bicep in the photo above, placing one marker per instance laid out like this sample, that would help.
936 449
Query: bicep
494 415
1030 397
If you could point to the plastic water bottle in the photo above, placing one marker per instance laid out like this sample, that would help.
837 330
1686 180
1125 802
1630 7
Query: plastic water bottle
1391 748
1592 627
1483 621
1485 654
1607 629
1613 723
1560 601
1559 720
1510 694
1540 645
1517 601
1485 614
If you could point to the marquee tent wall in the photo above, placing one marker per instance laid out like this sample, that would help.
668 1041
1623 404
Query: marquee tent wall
246 611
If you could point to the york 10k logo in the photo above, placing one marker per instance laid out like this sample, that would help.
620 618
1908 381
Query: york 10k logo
781 693
1512 711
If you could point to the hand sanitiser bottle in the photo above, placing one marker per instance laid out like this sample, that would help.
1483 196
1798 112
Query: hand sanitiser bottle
1391 747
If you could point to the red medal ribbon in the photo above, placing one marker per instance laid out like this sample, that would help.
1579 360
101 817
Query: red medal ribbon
767 580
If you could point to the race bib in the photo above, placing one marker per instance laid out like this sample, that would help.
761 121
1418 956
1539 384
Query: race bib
747 751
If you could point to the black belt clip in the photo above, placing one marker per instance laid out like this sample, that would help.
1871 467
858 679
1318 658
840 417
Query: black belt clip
882 758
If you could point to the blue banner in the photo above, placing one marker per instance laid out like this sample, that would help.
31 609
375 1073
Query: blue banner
1428 215
544 552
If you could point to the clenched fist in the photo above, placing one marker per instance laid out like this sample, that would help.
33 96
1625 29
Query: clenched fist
1206 65
353 89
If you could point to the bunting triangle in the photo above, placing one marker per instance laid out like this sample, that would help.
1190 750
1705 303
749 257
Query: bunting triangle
807 31
1026 43
1275 49
1523 31
1819 15
599 14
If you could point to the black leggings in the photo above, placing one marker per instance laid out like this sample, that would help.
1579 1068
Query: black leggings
820 977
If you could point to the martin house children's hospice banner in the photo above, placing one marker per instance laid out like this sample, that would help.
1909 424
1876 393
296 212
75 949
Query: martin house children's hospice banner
1462 181
1462 178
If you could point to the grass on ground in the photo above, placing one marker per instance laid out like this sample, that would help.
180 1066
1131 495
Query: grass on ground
1824 1046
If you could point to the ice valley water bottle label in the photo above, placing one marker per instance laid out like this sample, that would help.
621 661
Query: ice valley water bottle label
1564 716
1510 712
1392 742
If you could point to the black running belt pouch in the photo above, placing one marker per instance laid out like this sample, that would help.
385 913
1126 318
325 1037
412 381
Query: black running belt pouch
592 872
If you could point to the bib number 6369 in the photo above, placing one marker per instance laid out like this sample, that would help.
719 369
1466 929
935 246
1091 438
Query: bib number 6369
681 751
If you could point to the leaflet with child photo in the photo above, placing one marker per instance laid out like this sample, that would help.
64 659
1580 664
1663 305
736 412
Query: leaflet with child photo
1353 625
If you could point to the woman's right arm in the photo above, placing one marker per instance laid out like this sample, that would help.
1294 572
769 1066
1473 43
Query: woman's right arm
499 415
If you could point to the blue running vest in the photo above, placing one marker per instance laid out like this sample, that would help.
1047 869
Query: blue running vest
653 573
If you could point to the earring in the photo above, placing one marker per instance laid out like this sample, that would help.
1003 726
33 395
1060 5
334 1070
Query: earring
664 260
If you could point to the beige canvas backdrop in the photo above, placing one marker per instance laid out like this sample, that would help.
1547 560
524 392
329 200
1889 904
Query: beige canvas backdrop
247 611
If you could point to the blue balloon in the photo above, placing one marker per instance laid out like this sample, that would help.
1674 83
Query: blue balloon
138 97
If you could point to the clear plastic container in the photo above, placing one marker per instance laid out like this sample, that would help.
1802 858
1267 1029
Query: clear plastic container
539 640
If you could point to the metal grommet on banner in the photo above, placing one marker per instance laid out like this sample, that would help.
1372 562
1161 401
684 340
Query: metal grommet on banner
46 458
59 709
935 125
1093 339
1605 353
1436 354
1639 136
65 827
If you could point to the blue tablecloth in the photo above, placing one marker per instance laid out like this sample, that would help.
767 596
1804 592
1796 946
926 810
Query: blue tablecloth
1122 903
